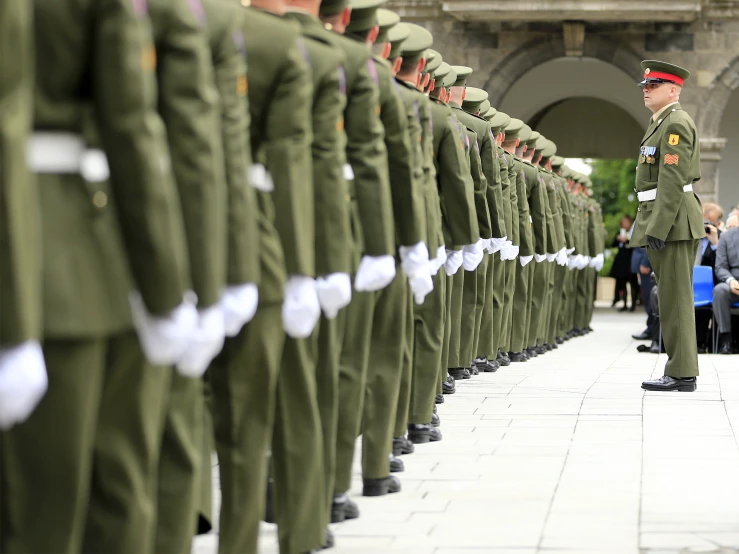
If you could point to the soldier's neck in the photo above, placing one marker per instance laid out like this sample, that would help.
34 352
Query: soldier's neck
662 109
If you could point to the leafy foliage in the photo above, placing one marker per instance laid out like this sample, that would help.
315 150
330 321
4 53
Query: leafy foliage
613 187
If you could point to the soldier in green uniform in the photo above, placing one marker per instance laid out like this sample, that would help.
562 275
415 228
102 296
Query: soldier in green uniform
111 223
279 93
21 360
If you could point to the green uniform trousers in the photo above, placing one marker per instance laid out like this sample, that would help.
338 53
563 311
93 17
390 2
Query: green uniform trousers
406 371
673 268
500 267
352 382
297 451
180 467
539 292
582 298
205 494
482 291
510 290
455 338
556 314
485 343
76 476
384 377
571 300
444 365
469 328
521 306
428 338
244 381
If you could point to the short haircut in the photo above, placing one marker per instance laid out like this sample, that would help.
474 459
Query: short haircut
710 207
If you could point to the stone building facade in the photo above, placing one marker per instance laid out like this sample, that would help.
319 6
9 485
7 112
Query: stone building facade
507 42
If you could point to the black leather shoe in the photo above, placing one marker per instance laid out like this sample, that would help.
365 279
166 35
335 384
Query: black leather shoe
439 398
503 359
667 383
589 329
488 366
560 340
401 445
435 420
531 351
654 347
474 370
456 372
434 434
644 335
517 357
419 433
466 374
541 349
381 487
329 542
343 508
549 347
724 346
436 412
643 348
396 464
448 388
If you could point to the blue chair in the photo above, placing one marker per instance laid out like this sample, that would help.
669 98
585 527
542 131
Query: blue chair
702 296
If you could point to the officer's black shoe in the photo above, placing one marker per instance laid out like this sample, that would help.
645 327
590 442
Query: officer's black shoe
448 388
381 487
457 372
474 370
531 351
329 542
396 464
488 366
517 357
667 383
466 374
503 359
435 410
419 433
724 345
435 434
435 420
343 508
401 445
589 329
644 335
643 348
654 347
559 340
545 348
552 346
540 349
439 397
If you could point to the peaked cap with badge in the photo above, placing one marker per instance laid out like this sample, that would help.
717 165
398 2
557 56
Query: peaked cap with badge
396 35
656 71
364 15
463 73
450 78
513 129
490 114
418 42
433 61
499 122
473 99
386 19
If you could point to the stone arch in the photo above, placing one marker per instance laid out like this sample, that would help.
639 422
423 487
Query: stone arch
712 110
538 51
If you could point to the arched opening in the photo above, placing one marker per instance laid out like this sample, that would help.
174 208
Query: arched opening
728 169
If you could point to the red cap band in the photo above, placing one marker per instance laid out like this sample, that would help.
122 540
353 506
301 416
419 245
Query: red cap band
666 76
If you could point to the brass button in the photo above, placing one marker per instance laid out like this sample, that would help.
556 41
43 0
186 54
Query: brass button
246 3
328 26
100 199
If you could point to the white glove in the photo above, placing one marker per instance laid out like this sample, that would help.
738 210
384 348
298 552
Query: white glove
239 305
584 261
440 257
597 262
570 250
205 342
374 273
334 292
593 262
472 255
494 245
572 262
421 285
454 260
413 258
551 257
562 257
301 308
505 250
514 252
164 339
23 382
540 258
525 260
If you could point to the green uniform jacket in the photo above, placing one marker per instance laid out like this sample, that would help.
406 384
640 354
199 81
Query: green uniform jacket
334 244
506 190
406 176
187 104
435 233
565 206
454 181
365 150
556 242
671 143
242 219
99 78
526 235
20 226
507 165
279 92
537 207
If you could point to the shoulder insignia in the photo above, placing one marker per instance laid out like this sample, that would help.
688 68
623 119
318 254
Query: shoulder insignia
674 140
198 12
242 85
340 125
140 7
149 62
671 159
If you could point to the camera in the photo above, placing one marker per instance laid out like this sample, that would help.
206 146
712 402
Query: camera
706 224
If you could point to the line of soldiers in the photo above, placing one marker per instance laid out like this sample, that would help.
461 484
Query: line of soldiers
261 230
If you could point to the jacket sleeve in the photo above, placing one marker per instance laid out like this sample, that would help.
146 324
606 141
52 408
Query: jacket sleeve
133 137
515 231
288 157
481 187
495 187
537 210
674 169
722 269
526 236
187 103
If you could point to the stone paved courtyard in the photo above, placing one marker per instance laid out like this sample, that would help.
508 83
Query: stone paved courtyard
565 454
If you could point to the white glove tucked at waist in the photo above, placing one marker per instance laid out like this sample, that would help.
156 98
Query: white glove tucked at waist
570 251
413 258
164 339
374 273
301 308
551 257
597 262
494 245
514 252
454 260
525 260
540 258
334 292
421 285
23 382
205 342
584 261
472 255
562 257
239 305
572 262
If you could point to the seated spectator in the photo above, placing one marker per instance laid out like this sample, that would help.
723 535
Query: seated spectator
733 221
706 255
726 292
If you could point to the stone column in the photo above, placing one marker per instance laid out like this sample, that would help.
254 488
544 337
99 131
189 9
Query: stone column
707 187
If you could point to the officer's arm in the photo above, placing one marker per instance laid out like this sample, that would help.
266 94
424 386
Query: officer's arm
674 167
481 188
566 209
241 204
367 155
526 237
288 157
456 188
187 102
495 188
554 206
592 231
537 211
133 137
333 229
515 231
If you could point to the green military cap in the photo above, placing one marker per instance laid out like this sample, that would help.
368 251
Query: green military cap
513 129
332 7
450 78
433 61
441 72
549 150
473 99
419 40
524 134
488 115
531 143
499 122
364 15
557 161
663 72
385 20
395 36
541 143
463 73
485 106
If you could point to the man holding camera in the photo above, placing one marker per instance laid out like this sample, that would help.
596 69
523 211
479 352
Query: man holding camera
726 292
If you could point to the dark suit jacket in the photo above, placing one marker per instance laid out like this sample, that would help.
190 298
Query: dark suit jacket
727 256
